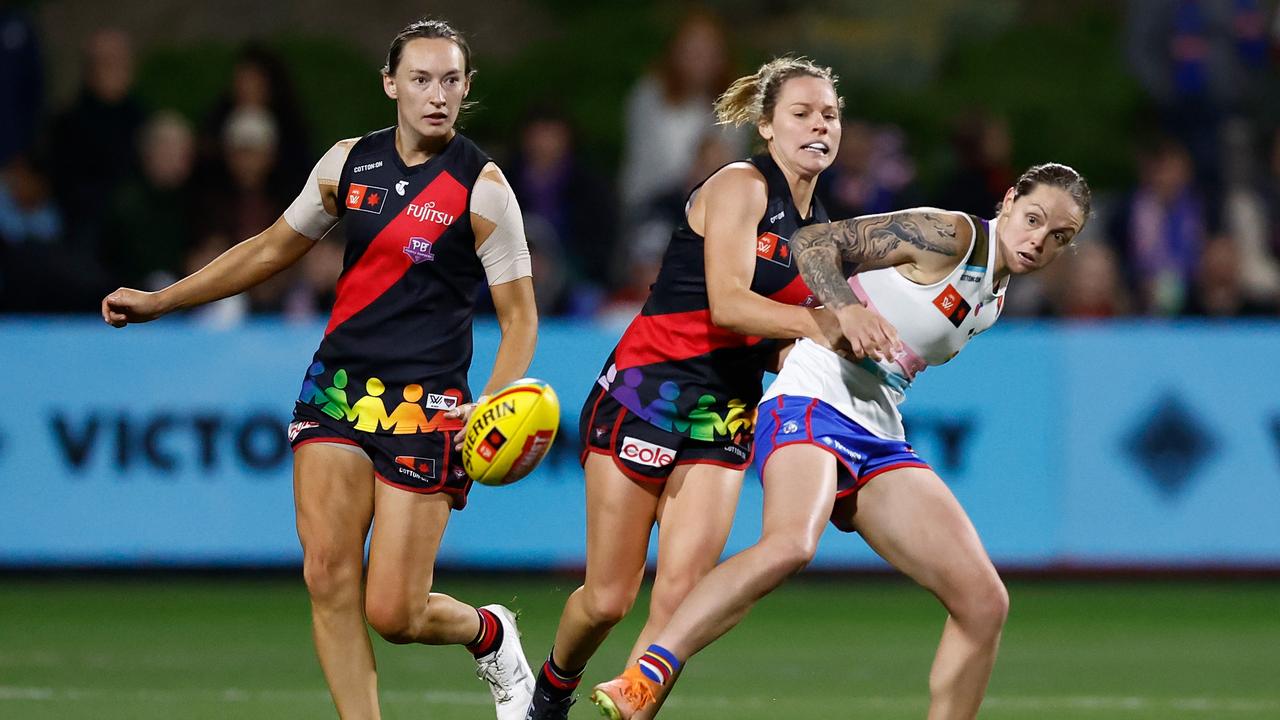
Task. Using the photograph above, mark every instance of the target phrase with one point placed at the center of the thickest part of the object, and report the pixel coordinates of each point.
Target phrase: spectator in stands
(642, 256)
(150, 227)
(1090, 285)
(242, 199)
(1160, 230)
(1219, 289)
(1201, 62)
(27, 212)
(34, 257)
(96, 138)
(260, 81)
(569, 213)
(872, 172)
(21, 82)
(983, 156)
(1251, 212)
(668, 112)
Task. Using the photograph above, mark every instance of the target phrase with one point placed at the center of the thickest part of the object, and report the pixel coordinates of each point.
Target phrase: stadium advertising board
(1089, 446)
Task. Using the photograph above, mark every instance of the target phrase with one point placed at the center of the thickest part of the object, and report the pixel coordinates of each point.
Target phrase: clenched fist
(127, 305)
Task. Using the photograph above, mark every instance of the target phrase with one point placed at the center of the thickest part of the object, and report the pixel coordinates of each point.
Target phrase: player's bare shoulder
(739, 188)
(328, 172)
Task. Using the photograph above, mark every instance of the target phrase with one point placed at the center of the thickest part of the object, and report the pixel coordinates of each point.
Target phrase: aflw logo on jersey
(774, 248)
(366, 198)
(427, 213)
(952, 304)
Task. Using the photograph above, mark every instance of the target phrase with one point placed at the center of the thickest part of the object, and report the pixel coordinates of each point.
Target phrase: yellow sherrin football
(511, 432)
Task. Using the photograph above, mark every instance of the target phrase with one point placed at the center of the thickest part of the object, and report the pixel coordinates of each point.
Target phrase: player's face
(804, 132)
(429, 86)
(1037, 227)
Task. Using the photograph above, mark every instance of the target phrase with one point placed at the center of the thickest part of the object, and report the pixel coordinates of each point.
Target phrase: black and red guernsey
(397, 348)
(676, 369)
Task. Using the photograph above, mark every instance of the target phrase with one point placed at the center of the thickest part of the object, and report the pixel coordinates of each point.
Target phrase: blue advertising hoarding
(1069, 445)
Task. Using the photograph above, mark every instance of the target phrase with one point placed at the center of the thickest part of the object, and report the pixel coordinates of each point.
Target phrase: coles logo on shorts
(297, 427)
(646, 453)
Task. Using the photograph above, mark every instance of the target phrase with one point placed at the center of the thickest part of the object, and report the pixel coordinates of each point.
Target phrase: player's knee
(330, 576)
(983, 606)
(391, 618)
(786, 554)
(668, 592)
(605, 607)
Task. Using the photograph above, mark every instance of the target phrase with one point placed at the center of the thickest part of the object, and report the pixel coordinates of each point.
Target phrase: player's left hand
(464, 411)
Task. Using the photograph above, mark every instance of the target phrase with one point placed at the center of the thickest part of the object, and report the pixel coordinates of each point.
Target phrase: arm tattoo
(867, 241)
(818, 259)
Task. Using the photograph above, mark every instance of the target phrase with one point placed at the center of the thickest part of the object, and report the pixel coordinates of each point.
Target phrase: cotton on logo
(645, 453)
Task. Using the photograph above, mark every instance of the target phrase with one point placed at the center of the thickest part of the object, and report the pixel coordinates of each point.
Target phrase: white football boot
(506, 670)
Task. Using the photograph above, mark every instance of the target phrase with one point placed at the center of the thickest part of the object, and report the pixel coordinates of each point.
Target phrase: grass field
(822, 648)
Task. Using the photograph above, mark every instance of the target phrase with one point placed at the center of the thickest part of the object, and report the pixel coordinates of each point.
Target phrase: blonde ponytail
(751, 99)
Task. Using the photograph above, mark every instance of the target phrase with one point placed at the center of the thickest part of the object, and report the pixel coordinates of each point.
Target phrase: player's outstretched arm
(924, 237)
(313, 213)
(234, 271)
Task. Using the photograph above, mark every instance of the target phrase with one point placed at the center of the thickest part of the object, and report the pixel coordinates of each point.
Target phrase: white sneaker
(506, 670)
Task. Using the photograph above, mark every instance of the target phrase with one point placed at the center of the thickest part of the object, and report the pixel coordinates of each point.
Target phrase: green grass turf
(823, 648)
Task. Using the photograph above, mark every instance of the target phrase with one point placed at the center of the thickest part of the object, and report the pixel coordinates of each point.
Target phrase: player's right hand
(869, 334)
(127, 305)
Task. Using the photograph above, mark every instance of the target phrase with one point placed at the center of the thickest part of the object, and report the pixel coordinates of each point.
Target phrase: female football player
(829, 424)
(667, 428)
(376, 425)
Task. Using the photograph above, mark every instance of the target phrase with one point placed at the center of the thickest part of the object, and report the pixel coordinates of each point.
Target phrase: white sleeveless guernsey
(933, 321)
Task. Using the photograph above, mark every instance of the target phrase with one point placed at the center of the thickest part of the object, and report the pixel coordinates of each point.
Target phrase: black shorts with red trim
(790, 420)
(425, 463)
(643, 451)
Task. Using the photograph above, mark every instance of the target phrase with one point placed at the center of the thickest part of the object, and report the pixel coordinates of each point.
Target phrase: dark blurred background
(138, 140)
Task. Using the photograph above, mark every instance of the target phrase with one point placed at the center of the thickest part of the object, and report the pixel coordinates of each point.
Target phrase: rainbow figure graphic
(707, 425)
(369, 412)
(409, 417)
(663, 412)
(335, 397)
(311, 390)
(738, 420)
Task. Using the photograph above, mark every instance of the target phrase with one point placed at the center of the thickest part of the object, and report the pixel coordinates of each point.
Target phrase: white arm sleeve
(307, 214)
(504, 254)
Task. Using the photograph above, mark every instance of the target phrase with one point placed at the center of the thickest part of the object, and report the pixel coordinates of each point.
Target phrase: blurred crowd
(107, 191)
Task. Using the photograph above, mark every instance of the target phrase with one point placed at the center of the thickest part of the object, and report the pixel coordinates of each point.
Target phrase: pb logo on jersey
(366, 198)
(774, 248)
(419, 250)
(952, 304)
